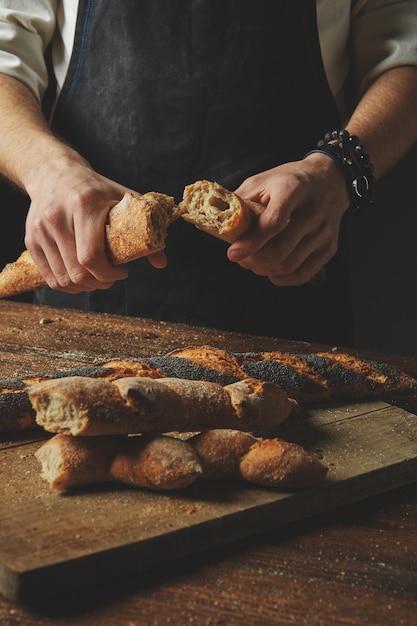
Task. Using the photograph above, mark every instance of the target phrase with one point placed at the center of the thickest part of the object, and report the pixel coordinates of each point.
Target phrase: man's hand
(298, 232)
(65, 226)
(69, 200)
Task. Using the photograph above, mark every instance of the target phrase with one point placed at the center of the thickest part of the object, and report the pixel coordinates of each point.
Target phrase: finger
(89, 252)
(64, 273)
(285, 252)
(158, 260)
(269, 224)
(310, 272)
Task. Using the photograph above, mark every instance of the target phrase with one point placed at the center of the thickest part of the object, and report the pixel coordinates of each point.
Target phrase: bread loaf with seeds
(310, 378)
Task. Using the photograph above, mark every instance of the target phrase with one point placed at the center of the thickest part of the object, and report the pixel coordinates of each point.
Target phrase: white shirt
(376, 34)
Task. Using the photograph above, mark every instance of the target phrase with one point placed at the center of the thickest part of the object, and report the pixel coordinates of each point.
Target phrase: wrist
(54, 157)
(353, 162)
(333, 183)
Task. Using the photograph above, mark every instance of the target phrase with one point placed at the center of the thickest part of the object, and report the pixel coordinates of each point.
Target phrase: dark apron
(162, 93)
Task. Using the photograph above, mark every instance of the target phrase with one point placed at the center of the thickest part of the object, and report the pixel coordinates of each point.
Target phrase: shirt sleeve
(26, 29)
(383, 36)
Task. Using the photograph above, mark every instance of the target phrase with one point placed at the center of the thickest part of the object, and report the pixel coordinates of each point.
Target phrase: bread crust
(20, 276)
(220, 452)
(138, 226)
(159, 463)
(279, 463)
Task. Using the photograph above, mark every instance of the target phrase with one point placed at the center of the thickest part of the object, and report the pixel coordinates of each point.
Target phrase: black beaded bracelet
(351, 158)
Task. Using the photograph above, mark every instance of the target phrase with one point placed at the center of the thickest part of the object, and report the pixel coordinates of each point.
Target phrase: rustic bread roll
(83, 406)
(136, 227)
(279, 463)
(218, 211)
(20, 276)
(160, 463)
(223, 214)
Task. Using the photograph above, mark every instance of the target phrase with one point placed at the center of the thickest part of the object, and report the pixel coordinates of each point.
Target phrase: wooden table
(356, 565)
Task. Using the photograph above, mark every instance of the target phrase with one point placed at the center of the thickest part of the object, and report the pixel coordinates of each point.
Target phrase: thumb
(158, 260)
(269, 223)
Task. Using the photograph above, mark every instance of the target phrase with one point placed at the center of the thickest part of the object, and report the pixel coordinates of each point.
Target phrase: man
(156, 95)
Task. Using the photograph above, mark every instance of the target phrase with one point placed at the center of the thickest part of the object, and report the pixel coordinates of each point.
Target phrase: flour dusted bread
(159, 463)
(68, 462)
(220, 452)
(20, 276)
(266, 462)
(80, 405)
(279, 463)
(218, 211)
(167, 462)
(136, 227)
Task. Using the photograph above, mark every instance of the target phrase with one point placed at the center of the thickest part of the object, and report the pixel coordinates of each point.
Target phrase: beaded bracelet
(351, 158)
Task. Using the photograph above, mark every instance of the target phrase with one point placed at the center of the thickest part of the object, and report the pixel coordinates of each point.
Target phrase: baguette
(218, 211)
(136, 227)
(159, 463)
(166, 462)
(85, 406)
(309, 379)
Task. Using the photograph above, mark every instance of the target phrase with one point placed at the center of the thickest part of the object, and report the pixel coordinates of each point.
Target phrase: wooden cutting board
(52, 542)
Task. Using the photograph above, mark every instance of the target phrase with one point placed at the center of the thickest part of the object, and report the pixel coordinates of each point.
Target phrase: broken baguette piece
(218, 211)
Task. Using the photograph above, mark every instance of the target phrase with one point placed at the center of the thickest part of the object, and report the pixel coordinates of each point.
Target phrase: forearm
(26, 143)
(385, 120)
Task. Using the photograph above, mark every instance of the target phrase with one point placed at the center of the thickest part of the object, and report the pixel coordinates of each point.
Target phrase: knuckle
(85, 257)
(84, 196)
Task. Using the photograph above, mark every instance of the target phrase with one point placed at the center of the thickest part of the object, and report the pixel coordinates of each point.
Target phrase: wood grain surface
(354, 565)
